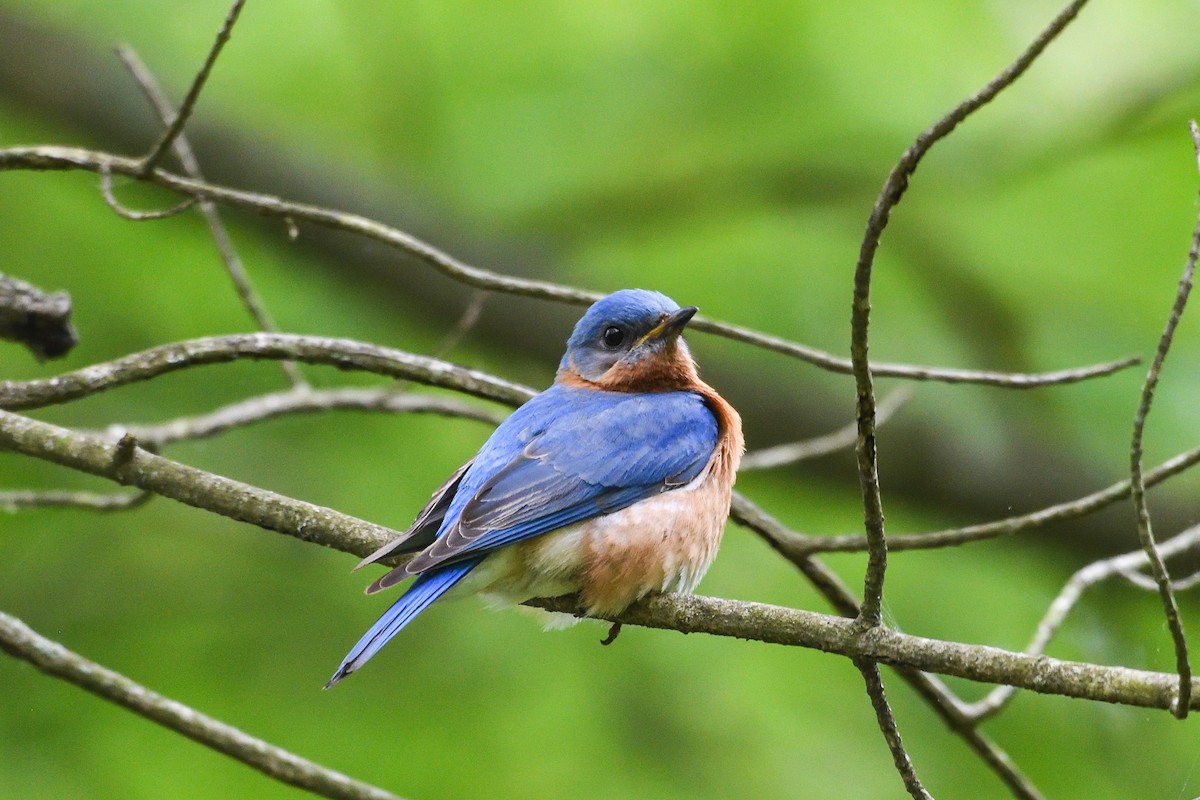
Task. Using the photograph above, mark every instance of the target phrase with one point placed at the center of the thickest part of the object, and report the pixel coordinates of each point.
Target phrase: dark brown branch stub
(39, 320)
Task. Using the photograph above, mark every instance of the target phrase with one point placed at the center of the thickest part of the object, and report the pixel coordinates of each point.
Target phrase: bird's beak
(670, 327)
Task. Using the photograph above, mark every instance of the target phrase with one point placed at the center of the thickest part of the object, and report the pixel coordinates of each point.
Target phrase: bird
(613, 483)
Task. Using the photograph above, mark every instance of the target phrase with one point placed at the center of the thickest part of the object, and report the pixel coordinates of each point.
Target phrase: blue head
(630, 341)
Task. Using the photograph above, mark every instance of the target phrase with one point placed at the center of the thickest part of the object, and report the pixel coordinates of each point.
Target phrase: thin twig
(889, 196)
(1070, 594)
(792, 452)
(125, 212)
(1145, 531)
(951, 537)
(147, 165)
(341, 353)
(65, 158)
(1148, 583)
(191, 165)
(466, 322)
(15, 500)
(20, 641)
(302, 401)
(887, 724)
(945, 703)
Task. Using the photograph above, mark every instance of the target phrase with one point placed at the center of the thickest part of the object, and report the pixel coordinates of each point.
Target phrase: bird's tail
(427, 588)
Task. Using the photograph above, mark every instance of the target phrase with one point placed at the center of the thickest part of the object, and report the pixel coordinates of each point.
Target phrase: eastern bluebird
(613, 483)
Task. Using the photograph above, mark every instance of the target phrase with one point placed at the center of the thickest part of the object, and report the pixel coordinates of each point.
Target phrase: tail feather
(427, 588)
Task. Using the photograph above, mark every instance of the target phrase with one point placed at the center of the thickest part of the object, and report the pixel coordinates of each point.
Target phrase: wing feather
(594, 453)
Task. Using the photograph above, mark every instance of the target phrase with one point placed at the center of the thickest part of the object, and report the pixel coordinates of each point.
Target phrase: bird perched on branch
(614, 483)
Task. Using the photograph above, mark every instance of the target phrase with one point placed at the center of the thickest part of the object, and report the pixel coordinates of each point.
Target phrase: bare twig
(191, 165)
(20, 641)
(790, 453)
(1148, 583)
(887, 724)
(1145, 531)
(1079, 583)
(469, 318)
(340, 353)
(39, 320)
(944, 702)
(889, 196)
(125, 212)
(173, 130)
(856, 542)
(66, 158)
(55, 498)
(301, 401)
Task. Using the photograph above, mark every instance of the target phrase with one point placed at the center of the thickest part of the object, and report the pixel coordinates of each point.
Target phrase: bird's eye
(613, 336)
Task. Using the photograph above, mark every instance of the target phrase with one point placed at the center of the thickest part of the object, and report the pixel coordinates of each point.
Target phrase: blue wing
(563, 457)
(574, 454)
(420, 595)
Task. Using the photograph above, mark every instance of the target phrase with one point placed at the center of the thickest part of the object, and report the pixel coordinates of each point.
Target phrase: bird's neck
(673, 371)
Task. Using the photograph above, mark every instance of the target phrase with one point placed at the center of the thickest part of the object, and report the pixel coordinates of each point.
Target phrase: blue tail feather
(428, 587)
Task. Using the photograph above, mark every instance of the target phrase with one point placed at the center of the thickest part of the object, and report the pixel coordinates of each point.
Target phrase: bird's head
(630, 342)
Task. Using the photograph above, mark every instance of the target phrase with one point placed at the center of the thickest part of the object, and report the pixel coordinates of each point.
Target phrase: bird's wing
(596, 457)
(425, 527)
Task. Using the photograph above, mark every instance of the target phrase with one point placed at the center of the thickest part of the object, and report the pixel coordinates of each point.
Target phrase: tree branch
(800, 544)
(746, 620)
(1079, 583)
(302, 400)
(792, 452)
(1145, 531)
(70, 158)
(191, 165)
(189, 101)
(945, 703)
(20, 641)
(133, 466)
(341, 353)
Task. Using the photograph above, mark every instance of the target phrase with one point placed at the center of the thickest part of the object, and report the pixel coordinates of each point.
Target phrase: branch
(125, 212)
(1145, 531)
(58, 498)
(189, 101)
(340, 353)
(70, 158)
(889, 196)
(302, 400)
(800, 544)
(945, 703)
(191, 165)
(20, 641)
(790, 453)
(891, 734)
(787, 626)
(39, 320)
(1080, 582)
(133, 466)
(687, 614)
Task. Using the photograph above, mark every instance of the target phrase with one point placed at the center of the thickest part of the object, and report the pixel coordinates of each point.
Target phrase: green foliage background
(725, 154)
